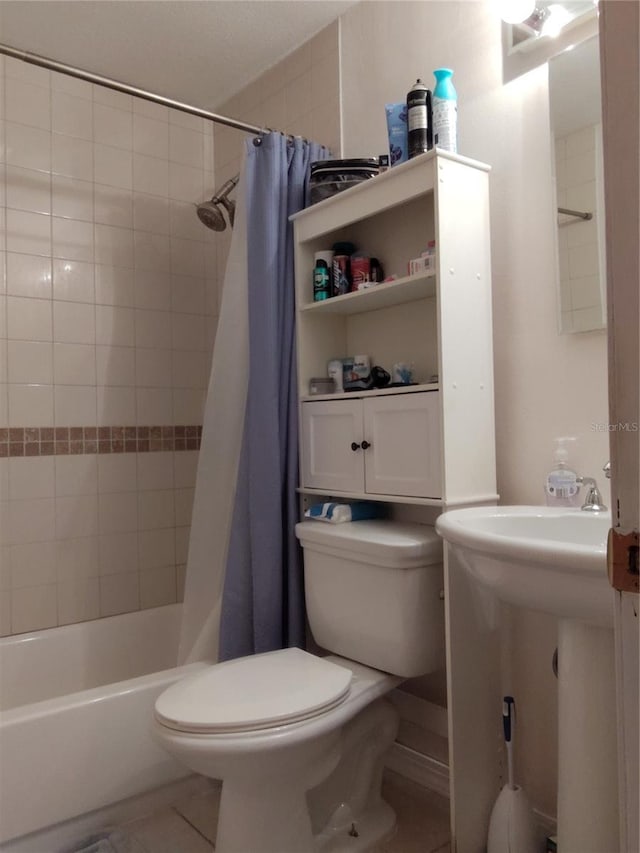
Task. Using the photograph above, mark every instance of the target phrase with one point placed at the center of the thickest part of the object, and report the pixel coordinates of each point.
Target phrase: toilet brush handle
(508, 719)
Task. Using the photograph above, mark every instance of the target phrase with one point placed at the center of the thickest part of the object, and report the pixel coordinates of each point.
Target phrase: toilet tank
(372, 591)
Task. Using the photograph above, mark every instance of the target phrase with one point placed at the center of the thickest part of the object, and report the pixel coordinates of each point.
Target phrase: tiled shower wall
(108, 308)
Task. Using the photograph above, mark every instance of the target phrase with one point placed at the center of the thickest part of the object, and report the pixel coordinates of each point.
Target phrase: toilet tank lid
(388, 543)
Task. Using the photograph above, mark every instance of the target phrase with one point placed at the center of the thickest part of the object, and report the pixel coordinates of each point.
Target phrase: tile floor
(190, 825)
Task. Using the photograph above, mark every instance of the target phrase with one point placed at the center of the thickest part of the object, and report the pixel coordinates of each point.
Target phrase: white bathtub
(76, 711)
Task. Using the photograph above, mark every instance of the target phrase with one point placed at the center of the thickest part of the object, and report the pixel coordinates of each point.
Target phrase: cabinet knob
(355, 446)
(365, 445)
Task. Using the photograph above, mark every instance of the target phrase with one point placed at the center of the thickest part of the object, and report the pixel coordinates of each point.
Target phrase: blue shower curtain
(263, 599)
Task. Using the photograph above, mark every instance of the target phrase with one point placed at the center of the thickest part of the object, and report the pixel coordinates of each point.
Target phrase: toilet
(299, 739)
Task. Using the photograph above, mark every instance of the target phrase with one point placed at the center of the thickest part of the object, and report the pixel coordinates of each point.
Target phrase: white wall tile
(114, 285)
(28, 319)
(76, 559)
(183, 506)
(76, 475)
(152, 252)
(118, 553)
(118, 513)
(72, 239)
(116, 405)
(155, 471)
(185, 222)
(151, 213)
(29, 362)
(75, 405)
(188, 331)
(72, 157)
(112, 166)
(154, 406)
(115, 326)
(117, 473)
(182, 544)
(113, 246)
(150, 137)
(185, 465)
(185, 183)
(156, 548)
(74, 364)
(28, 147)
(186, 120)
(32, 564)
(30, 405)
(27, 189)
(72, 198)
(150, 175)
(186, 146)
(188, 294)
(187, 257)
(28, 232)
(78, 601)
(115, 366)
(119, 594)
(150, 110)
(113, 126)
(188, 405)
(158, 586)
(113, 206)
(74, 322)
(152, 289)
(28, 275)
(73, 280)
(30, 521)
(153, 328)
(71, 115)
(64, 83)
(33, 608)
(156, 509)
(153, 368)
(110, 98)
(31, 478)
(76, 516)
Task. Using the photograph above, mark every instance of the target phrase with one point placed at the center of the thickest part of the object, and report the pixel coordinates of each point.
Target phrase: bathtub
(76, 706)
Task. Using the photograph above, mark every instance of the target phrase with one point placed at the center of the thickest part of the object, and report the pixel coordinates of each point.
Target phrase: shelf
(374, 392)
(384, 295)
(365, 496)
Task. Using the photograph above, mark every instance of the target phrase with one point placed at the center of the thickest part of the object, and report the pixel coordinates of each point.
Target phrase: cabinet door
(403, 432)
(329, 429)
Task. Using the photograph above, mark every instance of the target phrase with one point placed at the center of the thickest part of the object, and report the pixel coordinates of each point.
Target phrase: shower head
(209, 212)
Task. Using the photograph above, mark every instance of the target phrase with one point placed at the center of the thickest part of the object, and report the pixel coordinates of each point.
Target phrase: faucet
(593, 499)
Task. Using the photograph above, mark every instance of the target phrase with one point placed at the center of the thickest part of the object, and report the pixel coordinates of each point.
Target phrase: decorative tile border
(68, 441)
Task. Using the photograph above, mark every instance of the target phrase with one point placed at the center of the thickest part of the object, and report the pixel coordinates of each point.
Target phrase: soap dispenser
(562, 484)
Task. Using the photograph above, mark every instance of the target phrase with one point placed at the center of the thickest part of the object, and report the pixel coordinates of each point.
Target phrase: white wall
(547, 385)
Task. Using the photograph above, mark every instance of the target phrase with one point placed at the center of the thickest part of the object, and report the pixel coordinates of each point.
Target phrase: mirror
(576, 128)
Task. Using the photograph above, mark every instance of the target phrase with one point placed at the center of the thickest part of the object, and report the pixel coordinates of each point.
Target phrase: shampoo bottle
(445, 111)
(562, 484)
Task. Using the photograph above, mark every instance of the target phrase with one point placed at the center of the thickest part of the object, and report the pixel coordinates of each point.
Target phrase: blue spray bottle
(445, 111)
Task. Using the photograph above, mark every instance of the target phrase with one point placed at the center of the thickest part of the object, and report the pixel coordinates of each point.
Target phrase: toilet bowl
(299, 740)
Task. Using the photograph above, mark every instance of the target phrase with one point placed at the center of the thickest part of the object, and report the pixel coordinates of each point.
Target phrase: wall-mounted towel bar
(580, 214)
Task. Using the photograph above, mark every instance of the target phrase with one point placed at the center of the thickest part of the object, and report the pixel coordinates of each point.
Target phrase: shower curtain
(244, 591)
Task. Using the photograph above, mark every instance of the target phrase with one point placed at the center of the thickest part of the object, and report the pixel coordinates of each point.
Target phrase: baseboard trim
(419, 768)
(434, 775)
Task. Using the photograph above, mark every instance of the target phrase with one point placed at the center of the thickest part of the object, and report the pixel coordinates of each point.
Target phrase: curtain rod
(80, 74)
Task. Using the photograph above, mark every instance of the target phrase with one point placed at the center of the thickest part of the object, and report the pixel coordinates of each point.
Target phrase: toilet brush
(512, 828)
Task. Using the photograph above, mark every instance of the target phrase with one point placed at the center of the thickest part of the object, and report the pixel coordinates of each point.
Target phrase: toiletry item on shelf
(357, 376)
(336, 513)
(322, 385)
(402, 373)
(445, 111)
(325, 255)
(321, 281)
(377, 272)
(397, 130)
(335, 370)
(342, 267)
(379, 377)
(425, 263)
(360, 272)
(419, 119)
(562, 484)
(329, 177)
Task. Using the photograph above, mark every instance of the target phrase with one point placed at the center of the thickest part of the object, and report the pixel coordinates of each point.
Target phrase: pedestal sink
(554, 560)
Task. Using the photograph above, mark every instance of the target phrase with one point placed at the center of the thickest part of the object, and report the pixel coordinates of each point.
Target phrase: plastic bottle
(445, 111)
(562, 484)
(419, 129)
(321, 281)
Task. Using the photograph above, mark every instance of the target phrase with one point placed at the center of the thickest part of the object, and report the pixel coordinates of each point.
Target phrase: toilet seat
(254, 693)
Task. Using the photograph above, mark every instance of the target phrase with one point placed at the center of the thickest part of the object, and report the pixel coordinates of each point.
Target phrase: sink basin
(544, 558)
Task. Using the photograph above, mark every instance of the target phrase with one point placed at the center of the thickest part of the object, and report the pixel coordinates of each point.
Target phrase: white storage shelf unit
(440, 322)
